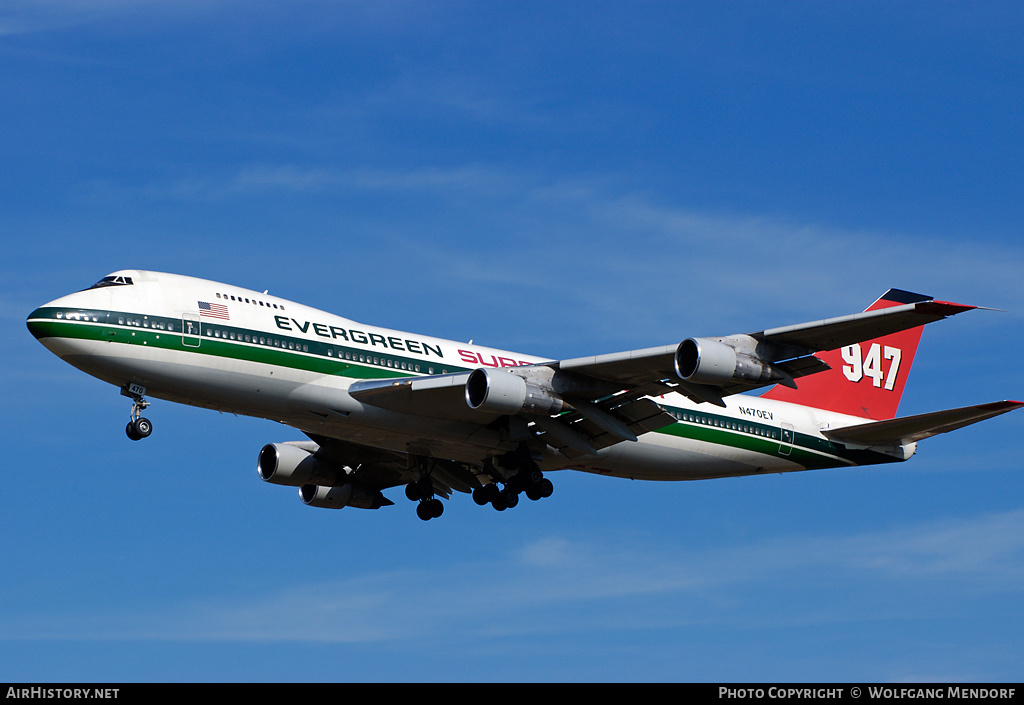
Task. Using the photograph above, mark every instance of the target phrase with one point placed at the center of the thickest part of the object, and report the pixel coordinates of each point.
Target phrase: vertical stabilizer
(866, 379)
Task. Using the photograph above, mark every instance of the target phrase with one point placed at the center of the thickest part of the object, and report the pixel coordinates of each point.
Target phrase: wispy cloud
(565, 581)
(608, 253)
(35, 16)
(738, 252)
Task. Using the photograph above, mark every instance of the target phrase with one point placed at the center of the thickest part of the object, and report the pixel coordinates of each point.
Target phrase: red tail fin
(866, 379)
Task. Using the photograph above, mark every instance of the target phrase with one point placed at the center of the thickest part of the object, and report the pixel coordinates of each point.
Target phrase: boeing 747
(382, 408)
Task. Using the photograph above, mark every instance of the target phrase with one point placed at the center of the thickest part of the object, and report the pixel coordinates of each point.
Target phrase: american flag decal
(213, 310)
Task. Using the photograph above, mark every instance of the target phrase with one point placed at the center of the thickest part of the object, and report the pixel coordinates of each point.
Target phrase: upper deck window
(112, 281)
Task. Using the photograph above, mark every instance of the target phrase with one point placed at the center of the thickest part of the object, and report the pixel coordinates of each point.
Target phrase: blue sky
(562, 179)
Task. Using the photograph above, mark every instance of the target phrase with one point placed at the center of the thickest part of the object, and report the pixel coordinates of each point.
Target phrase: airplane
(383, 408)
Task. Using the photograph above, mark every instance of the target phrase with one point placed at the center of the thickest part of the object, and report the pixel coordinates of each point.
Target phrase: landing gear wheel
(545, 487)
(510, 497)
(412, 492)
(532, 476)
(429, 509)
(436, 507)
(139, 428)
(142, 427)
(499, 502)
(486, 494)
(532, 483)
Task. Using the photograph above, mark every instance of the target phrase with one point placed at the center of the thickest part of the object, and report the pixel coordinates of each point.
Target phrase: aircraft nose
(45, 321)
(39, 323)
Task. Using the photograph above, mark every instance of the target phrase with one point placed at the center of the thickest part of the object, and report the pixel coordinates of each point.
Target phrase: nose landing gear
(139, 427)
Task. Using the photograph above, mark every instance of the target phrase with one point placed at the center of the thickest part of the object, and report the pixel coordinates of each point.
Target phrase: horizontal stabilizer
(910, 429)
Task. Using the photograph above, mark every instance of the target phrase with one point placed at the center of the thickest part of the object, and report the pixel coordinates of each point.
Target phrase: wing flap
(453, 477)
(587, 429)
(910, 429)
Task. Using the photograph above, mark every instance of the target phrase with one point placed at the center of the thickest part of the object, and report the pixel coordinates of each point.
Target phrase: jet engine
(321, 483)
(502, 392)
(326, 497)
(719, 362)
(286, 464)
(347, 495)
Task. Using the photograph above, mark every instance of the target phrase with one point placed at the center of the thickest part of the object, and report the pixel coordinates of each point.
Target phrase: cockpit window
(112, 281)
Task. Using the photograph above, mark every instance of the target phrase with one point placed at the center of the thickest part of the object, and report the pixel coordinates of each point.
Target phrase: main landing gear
(527, 479)
(530, 482)
(422, 491)
(139, 427)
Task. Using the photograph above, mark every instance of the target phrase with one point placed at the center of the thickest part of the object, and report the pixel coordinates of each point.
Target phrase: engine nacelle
(347, 495)
(715, 363)
(326, 497)
(284, 464)
(321, 483)
(502, 392)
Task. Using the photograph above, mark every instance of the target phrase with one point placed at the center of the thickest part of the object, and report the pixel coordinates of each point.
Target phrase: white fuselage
(221, 347)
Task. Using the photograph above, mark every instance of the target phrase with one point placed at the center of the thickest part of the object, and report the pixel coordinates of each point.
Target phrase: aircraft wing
(630, 368)
(838, 332)
(910, 429)
(593, 421)
(378, 469)
(656, 366)
(589, 403)
(787, 350)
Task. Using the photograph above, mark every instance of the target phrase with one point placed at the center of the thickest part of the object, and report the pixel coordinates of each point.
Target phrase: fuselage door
(191, 330)
(786, 438)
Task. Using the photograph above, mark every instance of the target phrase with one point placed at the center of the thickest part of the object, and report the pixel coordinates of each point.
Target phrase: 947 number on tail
(860, 365)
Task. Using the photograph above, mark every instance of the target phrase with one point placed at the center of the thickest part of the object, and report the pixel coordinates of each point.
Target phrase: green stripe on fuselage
(805, 450)
(217, 341)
